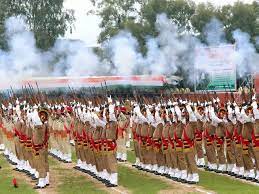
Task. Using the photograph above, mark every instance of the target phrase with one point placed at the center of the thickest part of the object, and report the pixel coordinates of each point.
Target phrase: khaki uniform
(220, 141)
(40, 148)
(188, 147)
(210, 144)
(246, 145)
(123, 125)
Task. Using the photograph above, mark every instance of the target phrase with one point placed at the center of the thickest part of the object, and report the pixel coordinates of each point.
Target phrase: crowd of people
(172, 136)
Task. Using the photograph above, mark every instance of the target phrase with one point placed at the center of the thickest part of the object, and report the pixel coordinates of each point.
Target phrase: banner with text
(215, 68)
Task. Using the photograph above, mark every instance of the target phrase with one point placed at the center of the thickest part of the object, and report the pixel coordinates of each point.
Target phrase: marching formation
(24, 138)
(172, 136)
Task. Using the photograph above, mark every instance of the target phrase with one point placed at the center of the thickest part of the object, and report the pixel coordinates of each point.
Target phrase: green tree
(47, 18)
(115, 14)
(203, 14)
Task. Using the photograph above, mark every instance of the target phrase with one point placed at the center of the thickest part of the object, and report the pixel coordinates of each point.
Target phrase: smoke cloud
(214, 32)
(22, 59)
(171, 51)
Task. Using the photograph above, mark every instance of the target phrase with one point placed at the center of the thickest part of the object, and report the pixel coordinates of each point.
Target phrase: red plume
(15, 184)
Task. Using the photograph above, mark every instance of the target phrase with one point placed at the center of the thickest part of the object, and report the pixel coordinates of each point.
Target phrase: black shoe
(111, 185)
(249, 178)
(16, 169)
(94, 176)
(83, 170)
(242, 177)
(254, 180)
(37, 187)
(28, 173)
(76, 167)
(183, 181)
(217, 171)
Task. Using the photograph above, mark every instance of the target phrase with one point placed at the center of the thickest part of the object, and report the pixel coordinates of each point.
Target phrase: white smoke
(214, 32)
(245, 56)
(257, 41)
(123, 49)
(166, 53)
(23, 59)
(164, 50)
(74, 59)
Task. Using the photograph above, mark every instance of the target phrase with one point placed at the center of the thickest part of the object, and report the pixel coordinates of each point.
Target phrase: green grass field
(69, 181)
(77, 184)
(217, 183)
(6, 177)
(225, 185)
(139, 184)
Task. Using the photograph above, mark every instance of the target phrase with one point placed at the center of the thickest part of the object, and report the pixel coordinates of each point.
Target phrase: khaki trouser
(181, 162)
(247, 136)
(18, 149)
(239, 155)
(199, 150)
(190, 161)
(231, 153)
(256, 148)
(221, 154)
(121, 145)
(111, 161)
(41, 162)
(173, 157)
(211, 153)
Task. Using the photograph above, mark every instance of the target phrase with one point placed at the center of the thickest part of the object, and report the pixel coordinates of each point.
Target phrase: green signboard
(215, 68)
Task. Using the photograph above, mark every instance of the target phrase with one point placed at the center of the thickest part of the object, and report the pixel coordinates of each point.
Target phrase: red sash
(228, 135)
(209, 137)
(187, 139)
(111, 145)
(219, 140)
(17, 133)
(66, 129)
(198, 135)
(165, 143)
(178, 141)
(255, 139)
(237, 137)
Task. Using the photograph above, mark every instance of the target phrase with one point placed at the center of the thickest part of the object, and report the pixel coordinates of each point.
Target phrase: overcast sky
(86, 26)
